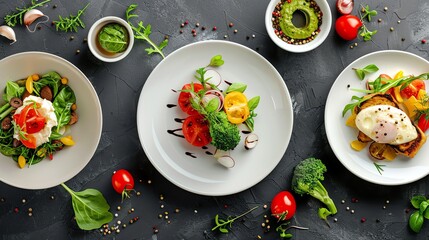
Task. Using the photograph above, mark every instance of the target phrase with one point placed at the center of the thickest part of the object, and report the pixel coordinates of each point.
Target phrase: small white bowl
(92, 39)
(324, 28)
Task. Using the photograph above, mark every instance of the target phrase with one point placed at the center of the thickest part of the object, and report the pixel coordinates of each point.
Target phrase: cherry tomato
(347, 26)
(423, 123)
(283, 206)
(122, 181)
(196, 130)
(236, 108)
(184, 102)
(345, 6)
(413, 89)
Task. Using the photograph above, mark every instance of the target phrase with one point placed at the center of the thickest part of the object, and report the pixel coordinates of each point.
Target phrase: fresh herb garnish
(252, 103)
(70, 23)
(364, 31)
(417, 218)
(216, 61)
(282, 228)
(143, 32)
(379, 167)
(90, 207)
(113, 38)
(222, 225)
(351, 106)
(371, 68)
(15, 17)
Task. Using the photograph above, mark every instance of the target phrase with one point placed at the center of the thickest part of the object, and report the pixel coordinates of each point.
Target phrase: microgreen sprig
(70, 23)
(364, 31)
(143, 32)
(15, 17)
(361, 72)
(222, 225)
(282, 228)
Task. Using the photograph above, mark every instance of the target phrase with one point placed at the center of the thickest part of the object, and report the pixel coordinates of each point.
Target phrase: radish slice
(345, 6)
(214, 94)
(251, 141)
(226, 161)
(213, 77)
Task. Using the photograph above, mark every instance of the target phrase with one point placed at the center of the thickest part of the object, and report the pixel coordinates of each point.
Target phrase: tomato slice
(29, 121)
(413, 88)
(196, 130)
(29, 141)
(35, 124)
(236, 108)
(184, 102)
(423, 122)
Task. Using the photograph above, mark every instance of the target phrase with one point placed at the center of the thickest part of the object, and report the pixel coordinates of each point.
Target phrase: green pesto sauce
(113, 38)
(289, 29)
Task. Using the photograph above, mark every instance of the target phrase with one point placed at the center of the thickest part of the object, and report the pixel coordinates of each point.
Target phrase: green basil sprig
(371, 68)
(417, 218)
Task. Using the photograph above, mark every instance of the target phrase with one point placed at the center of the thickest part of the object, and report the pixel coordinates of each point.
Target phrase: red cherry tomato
(423, 123)
(347, 26)
(196, 130)
(122, 181)
(413, 89)
(345, 6)
(184, 102)
(283, 206)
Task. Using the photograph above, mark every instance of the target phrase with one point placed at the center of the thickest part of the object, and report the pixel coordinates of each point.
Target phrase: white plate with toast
(401, 170)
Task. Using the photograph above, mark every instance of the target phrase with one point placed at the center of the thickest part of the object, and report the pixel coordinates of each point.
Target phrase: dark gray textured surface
(308, 76)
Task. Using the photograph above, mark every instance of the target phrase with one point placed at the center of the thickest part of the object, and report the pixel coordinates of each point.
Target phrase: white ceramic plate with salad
(86, 132)
(401, 170)
(194, 168)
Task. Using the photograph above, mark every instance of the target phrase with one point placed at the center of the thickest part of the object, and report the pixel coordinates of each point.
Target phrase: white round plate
(202, 174)
(86, 132)
(402, 170)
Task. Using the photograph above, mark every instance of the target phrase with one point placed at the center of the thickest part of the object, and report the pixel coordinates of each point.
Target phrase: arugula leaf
(12, 19)
(143, 32)
(90, 207)
(351, 106)
(71, 22)
(371, 68)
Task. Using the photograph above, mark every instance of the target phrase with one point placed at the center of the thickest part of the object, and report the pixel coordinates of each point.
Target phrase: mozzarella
(386, 124)
(47, 111)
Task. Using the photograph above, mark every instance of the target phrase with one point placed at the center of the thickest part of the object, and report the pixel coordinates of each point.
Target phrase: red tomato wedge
(29, 121)
(196, 130)
(423, 123)
(413, 89)
(184, 102)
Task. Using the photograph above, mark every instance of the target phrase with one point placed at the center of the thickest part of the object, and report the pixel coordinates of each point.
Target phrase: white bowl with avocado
(286, 32)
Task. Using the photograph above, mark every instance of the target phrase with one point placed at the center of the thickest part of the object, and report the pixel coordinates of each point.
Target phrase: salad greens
(70, 23)
(63, 99)
(222, 225)
(143, 32)
(90, 207)
(113, 38)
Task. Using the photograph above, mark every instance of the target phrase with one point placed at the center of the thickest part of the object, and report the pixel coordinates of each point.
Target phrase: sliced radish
(345, 6)
(251, 141)
(219, 153)
(226, 161)
(213, 77)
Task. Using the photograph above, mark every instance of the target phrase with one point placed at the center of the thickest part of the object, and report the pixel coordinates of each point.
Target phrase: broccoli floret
(307, 178)
(225, 135)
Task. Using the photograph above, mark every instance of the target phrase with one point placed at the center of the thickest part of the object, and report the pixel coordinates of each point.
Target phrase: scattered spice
(118, 208)
(343, 201)
(149, 181)
(231, 24)
(377, 220)
(387, 201)
(77, 52)
(203, 28)
(335, 220)
(385, 8)
(52, 197)
(197, 24)
(347, 208)
(355, 200)
(162, 206)
(16, 210)
(235, 31)
(399, 21)
(423, 41)
(2, 200)
(24, 200)
(392, 29)
(186, 22)
(71, 38)
(55, 6)
(265, 206)
(225, 36)
(402, 39)
(379, 20)
(85, 40)
(362, 220)
(352, 211)
(182, 25)
(176, 210)
(214, 28)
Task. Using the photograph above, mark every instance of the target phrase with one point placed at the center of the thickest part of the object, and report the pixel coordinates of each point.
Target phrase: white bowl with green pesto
(284, 32)
(110, 39)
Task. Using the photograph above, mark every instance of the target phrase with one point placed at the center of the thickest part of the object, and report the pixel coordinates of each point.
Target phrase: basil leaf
(236, 87)
(417, 200)
(416, 222)
(216, 61)
(253, 102)
(426, 213)
(371, 68)
(360, 73)
(13, 90)
(90, 207)
(423, 206)
(212, 105)
(250, 122)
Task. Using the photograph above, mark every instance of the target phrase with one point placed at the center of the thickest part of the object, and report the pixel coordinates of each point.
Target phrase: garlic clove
(8, 33)
(31, 16)
(226, 161)
(251, 141)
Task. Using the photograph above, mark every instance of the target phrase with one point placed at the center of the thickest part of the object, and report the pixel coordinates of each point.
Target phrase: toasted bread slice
(411, 148)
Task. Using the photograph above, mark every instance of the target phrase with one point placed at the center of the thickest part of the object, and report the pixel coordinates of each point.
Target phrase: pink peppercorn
(363, 220)
(423, 41)
(214, 28)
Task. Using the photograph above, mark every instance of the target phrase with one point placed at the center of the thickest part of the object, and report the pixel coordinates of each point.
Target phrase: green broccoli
(225, 135)
(306, 180)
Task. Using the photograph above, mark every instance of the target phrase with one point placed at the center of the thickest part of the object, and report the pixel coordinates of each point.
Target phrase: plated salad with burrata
(35, 118)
